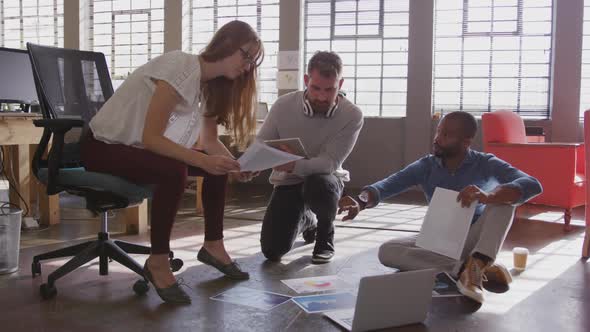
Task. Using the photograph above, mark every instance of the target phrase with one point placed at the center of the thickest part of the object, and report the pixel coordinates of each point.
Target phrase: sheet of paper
(446, 224)
(252, 298)
(287, 80)
(325, 302)
(317, 284)
(288, 60)
(260, 156)
(342, 317)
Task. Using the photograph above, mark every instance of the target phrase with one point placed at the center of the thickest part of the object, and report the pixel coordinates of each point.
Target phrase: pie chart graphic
(318, 284)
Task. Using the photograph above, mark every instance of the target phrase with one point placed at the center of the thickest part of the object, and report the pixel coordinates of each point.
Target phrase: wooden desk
(21, 137)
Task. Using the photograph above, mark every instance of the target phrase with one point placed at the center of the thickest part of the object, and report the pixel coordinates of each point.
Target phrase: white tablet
(293, 143)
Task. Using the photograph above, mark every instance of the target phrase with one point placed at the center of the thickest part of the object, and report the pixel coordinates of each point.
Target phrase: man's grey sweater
(328, 141)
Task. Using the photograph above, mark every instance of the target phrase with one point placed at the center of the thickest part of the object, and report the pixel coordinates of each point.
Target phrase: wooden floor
(551, 295)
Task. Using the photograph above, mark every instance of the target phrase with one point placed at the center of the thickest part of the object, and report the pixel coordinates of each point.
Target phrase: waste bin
(10, 221)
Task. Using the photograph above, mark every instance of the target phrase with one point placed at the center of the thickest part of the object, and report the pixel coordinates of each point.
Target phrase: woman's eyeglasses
(247, 57)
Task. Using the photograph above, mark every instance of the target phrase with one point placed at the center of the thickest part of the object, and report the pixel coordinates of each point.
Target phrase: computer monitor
(17, 85)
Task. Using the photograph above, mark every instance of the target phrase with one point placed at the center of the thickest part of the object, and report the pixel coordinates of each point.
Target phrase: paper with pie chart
(317, 284)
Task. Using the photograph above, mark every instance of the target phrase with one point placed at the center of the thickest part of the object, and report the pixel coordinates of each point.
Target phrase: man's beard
(445, 152)
(319, 107)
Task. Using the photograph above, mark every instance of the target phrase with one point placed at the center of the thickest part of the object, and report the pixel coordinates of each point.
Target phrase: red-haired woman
(146, 133)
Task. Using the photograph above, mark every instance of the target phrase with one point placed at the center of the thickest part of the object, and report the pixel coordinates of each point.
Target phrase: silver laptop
(388, 300)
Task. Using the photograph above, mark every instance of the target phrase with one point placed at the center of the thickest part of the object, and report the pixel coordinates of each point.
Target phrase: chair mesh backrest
(71, 84)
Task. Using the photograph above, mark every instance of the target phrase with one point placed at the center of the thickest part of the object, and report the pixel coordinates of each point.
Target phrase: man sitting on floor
(497, 186)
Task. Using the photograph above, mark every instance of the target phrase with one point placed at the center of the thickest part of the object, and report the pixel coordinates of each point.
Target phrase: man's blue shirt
(481, 169)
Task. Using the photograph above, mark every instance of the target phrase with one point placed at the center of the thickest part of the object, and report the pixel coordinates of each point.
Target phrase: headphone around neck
(308, 110)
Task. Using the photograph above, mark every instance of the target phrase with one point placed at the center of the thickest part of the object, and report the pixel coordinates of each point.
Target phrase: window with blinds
(371, 37)
(35, 21)
(585, 83)
(202, 18)
(492, 54)
(128, 32)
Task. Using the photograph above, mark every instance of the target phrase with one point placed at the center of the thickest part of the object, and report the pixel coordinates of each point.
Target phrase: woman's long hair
(234, 102)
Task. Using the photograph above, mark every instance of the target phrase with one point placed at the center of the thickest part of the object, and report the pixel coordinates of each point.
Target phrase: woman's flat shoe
(172, 294)
(231, 270)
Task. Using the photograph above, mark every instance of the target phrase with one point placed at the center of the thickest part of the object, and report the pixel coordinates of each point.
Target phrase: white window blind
(35, 21)
(202, 18)
(585, 83)
(128, 32)
(492, 54)
(371, 37)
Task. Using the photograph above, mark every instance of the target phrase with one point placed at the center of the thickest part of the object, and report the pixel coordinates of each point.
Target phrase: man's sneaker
(309, 234)
(498, 275)
(322, 256)
(471, 279)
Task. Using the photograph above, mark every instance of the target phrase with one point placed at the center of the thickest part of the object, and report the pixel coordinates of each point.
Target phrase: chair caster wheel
(47, 292)
(176, 264)
(140, 287)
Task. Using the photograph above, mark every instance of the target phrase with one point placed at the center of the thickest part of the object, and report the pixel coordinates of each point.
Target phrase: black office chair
(72, 86)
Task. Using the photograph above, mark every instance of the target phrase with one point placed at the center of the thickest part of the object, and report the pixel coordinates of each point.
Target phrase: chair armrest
(59, 125)
(536, 145)
(549, 163)
(57, 128)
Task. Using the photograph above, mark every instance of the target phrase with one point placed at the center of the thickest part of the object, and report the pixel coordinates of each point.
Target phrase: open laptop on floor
(388, 300)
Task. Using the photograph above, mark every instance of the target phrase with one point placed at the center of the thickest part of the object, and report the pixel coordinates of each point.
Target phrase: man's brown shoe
(470, 280)
(498, 273)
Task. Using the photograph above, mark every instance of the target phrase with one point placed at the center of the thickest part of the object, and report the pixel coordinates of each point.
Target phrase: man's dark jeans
(291, 211)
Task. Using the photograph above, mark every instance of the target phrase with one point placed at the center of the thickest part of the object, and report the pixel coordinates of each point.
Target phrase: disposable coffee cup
(520, 257)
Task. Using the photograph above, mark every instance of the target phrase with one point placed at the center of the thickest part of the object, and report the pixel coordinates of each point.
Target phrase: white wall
(378, 152)
(567, 61)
